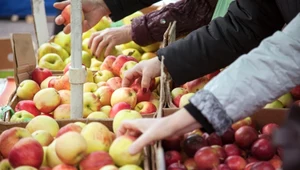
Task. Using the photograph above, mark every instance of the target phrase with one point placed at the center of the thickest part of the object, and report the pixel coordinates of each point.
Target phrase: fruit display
(242, 147)
(42, 145)
(103, 98)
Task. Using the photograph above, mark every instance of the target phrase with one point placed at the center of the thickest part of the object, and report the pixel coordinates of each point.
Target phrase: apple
(118, 107)
(192, 143)
(5, 165)
(95, 161)
(104, 94)
(27, 89)
(172, 143)
(88, 33)
(90, 87)
(137, 85)
(148, 55)
(172, 157)
(106, 109)
(45, 83)
(67, 67)
(70, 127)
(63, 111)
(214, 139)
(43, 123)
(184, 100)
(196, 131)
(40, 74)
(98, 137)
(86, 58)
(236, 162)
(176, 100)
(122, 115)
(190, 164)
(64, 40)
(95, 64)
(276, 162)
(222, 167)
(263, 149)
(124, 94)
(176, 166)
(46, 100)
(27, 105)
(295, 92)
(65, 96)
(26, 151)
(102, 76)
(206, 158)
(244, 122)
(45, 168)
(109, 167)
(102, 24)
(220, 152)
(97, 115)
(155, 102)
(64, 167)
(133, 53)
(274, 104)
(119, 62)
(228, 136)
(231, 150)
(119, 151)
(50, 47)
(81, 124)
(131, 44)
(52, 61)
(245, 136)
(195, 85)
(91, 103)
(130, 167)
(114, 82)
(43, 137)
(21, 116)
(25, 168)
(66, 14)
(100, 84)
(262, 166)
(10, 137)
(107, 63)
(51, 156)
(212, 75)
(178, 91)
(128, 65)
(61, 82)
(145, 108)
(286, 99)
(152, 47)
(268, 129)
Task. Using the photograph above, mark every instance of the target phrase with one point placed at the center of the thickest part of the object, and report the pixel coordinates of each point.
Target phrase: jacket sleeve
(252, 81)
(189, 14)
(218, 44)
(122, 8)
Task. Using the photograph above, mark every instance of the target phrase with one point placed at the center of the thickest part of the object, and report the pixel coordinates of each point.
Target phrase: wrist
(128, 33)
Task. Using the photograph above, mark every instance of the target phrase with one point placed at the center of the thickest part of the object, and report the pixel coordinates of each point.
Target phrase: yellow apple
(128, 65)
(71, 147)
(21, 116)
(86, 59)
(64, 40)
(85, 46)
(89, 75)
(45, 155)
(97, 115)
(119, 151)
(25, 168)
(88, 33)
(122, 115)
(102, 76)
(124, 94)
(50, 47)
(106, 109)
(67, 61)
(65, 96)
(43, 137)
(63, 111)
(133, 53)
(43, 123)
(52, 61)
(127, 20)
(51, 156)
(46, 100)
(148, 55)
(152, 47)
(102, 24)
(27, 89)
(98, 137)
(184, 100)
(81, 124)
(90, 87)
(131, 44)
(91, 103)
(155, 102)
(109, 167)
(104, 94)
(130, 167)
(95, 64)
(45, 83)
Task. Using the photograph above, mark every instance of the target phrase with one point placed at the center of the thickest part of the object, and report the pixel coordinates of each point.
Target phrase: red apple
(269, 128)
(172, 143)
(195, 85)
(236, 162)
(119, 62)
(295, 92)
(214, 139)
(107, 63)
(192, 143)
(67, 67)
(114, 82)
(264, 136)
(245, 136)
(137, 86)
(70, 127)
(231, 150)
(280, 152)
(176, 166)
(40, 74)
(176, 100)
(64, 167)
(263, 149)
(262, 166)
(124, 94)
(244, 122)
(143, 96)
(212, 75)
(228, 136)
(251, 159)
(222, 167)
(172, 157)
(27, 151)
(220, 151)
(249, 166)
(96, 160)
(190, 164)
(45, 168)
(66, 14)
(145, 107)
(118, 107)
(27, 105)
(206, 158)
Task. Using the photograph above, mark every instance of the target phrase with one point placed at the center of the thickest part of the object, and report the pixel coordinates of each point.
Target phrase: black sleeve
(218, 44)
(122, 8)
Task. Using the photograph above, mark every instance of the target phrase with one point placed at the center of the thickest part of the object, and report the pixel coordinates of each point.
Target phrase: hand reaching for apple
(154, 129)
(148, 70)
(93, 11)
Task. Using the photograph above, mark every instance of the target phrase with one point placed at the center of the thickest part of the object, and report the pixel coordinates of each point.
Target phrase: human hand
(151, 130)
(93, 11)
(147, 69)
(108, 39)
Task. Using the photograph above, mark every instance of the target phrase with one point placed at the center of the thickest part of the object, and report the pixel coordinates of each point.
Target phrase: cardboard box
(6, 55)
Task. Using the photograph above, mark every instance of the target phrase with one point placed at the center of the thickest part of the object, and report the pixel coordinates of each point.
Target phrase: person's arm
(189, 15)
(251, 82)
(218, 44)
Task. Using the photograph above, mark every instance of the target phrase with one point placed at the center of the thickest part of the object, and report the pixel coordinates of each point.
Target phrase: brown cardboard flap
(6, 54)
(24, 56)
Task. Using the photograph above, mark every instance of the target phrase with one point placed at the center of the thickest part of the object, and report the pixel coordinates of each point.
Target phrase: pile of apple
(242, 147)
(43, 145)
(103, 95)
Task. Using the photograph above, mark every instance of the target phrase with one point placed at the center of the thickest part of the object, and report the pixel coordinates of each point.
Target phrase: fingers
(127, 125)
(130, 75)
(146, 79)
(109, 48)
(95, 42)
(67, 29)
(145, 139)
(59, 20)
(61, 5)
(92, 39)
(101, 46)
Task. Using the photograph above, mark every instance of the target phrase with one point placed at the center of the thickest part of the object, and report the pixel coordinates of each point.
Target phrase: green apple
(21, 116)
(45, 156)
(95, 64)
(86, 59)
(128, 65)
(52, 61)
(50, 47)
(102, 76)
(102, 24)
(125, 114)
(127, 20)
(85, 46)
(89, 75)
(274, 105)
(97, 115)
(148, 55)
(130, 167)
(64, 40)
(67, 60)
(132, 52)
(286, 99)
(5, 165)
(184, 100)
(106, 109)
(131, 44)
(88, 33)
(90, 87)
(152, 47)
